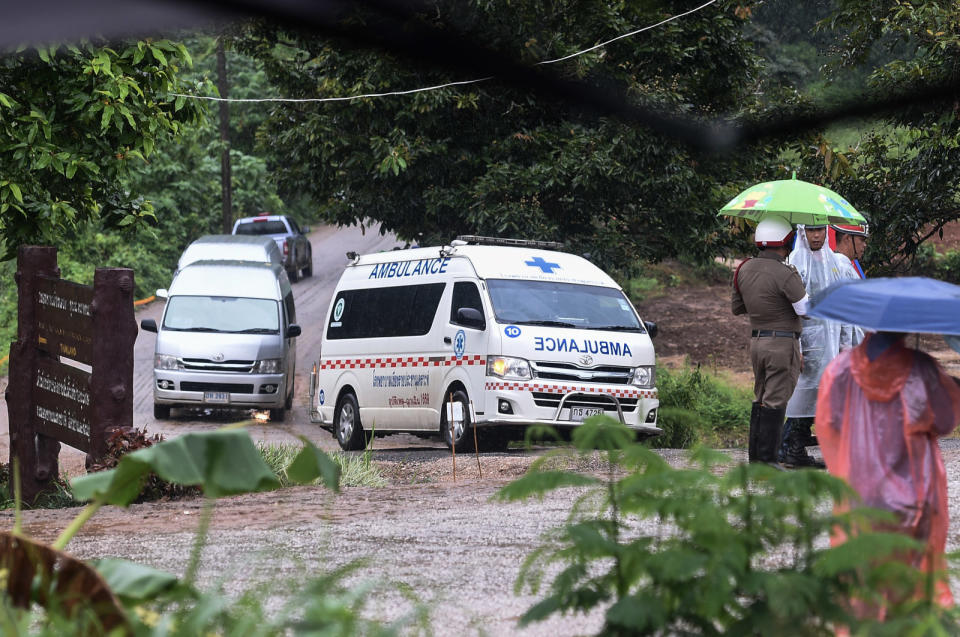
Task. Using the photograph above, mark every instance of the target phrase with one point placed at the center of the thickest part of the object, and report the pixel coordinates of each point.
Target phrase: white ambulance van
(496, 334)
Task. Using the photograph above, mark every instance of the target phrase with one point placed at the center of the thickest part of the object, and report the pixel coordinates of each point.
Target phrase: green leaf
(158, 55)
(105, 119)
(134, 583)
(5, 100)
(15, 189)
(540, 482)
(312, 463)
(223, 462)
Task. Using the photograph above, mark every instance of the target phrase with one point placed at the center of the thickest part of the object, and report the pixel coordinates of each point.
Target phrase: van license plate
(216, 397)
(582, 413)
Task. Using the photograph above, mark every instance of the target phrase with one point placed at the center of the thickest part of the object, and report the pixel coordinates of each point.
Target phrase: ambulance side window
(406, 310)
(466, 294)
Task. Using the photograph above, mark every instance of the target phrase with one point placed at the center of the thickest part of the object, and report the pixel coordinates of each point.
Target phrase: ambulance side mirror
(470, 317)
(148, 325)
(652, 328)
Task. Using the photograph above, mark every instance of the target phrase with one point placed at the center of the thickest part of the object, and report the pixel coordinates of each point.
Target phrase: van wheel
(278, 415)
(288, 403)
(308, 269)
(294, 274)
(161, 412)
(462, 439)
(346, 424)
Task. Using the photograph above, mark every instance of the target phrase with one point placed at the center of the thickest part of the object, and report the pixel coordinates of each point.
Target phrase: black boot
(752, 441)
(769, 424)
(793, 451)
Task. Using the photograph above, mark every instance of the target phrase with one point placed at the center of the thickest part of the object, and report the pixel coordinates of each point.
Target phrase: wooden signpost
(71, 367)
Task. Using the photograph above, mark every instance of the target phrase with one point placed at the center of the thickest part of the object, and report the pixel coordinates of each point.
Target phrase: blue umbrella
(909, 304)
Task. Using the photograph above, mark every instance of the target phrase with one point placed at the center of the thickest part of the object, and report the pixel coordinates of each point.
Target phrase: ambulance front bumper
(568, 405)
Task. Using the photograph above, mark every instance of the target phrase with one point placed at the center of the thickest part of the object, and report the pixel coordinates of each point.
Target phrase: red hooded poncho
(878, 423)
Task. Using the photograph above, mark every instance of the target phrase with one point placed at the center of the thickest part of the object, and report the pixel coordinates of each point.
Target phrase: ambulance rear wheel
(346, 424)
(161, 412)
(462, 439)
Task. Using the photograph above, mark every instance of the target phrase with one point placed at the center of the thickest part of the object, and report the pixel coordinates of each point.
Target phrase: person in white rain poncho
(820, 342)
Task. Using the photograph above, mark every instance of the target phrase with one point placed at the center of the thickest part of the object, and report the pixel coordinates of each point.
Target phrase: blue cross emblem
(459, 344)
(546, 266)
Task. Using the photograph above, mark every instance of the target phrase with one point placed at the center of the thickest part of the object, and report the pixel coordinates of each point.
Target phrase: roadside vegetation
(698, 407)
(690, 550)
(708, 548)
(355, 470)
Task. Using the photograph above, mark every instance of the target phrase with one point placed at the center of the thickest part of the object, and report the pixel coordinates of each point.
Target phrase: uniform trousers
(776, 369)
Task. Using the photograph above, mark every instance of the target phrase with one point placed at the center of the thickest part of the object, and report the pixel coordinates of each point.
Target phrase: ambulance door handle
(447, 340)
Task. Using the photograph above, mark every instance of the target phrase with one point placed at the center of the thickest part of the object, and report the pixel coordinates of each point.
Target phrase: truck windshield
(222, 314)
(562, 305)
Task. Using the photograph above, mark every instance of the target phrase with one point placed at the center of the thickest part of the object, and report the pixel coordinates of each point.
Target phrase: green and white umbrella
(794, 200)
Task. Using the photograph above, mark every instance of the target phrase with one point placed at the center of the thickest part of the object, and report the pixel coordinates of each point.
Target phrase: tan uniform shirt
(766, 288)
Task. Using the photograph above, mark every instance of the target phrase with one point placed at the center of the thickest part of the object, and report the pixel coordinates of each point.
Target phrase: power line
(440, 86)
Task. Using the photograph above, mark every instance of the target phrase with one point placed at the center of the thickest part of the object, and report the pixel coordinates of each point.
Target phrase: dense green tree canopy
(904, 172)
(493, 159)
(74, 120)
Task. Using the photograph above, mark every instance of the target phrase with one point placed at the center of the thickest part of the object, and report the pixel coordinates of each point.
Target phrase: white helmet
(773, 232)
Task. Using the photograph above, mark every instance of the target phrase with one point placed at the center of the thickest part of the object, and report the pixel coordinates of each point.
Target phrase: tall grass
(356, 470)
(700, 407)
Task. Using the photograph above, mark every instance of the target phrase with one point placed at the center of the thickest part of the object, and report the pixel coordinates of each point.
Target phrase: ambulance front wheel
(346, 424)
(461, 437)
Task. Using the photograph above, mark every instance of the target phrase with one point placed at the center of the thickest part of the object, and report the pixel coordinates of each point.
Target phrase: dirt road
(312, 296)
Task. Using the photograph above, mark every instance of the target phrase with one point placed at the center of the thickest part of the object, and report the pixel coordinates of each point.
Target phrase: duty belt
(775, 333)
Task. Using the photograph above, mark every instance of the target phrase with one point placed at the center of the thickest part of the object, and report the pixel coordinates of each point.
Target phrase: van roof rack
(472, 239)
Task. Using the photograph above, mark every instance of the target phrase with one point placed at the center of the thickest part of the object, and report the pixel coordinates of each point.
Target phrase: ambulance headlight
(165, 361)
(508, 368)
(643, 376)
(268, 366)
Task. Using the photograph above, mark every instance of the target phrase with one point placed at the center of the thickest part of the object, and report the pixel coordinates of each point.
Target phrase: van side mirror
(148, 325)
(304, 229)
(652, 328)
(293, 331)
(162, 293)
(470, 317)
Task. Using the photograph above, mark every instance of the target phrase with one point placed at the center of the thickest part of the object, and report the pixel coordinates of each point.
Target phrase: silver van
(230, 247)
(226, 339)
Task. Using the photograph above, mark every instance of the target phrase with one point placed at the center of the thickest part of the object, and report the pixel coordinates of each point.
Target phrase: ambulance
(477, 340)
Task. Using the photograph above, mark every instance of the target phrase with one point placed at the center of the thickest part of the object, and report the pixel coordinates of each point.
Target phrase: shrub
(723, 409)
(712, 548)
(681, 428)
(122, 441)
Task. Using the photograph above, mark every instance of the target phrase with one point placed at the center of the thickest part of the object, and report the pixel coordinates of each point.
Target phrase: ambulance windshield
(552, 304)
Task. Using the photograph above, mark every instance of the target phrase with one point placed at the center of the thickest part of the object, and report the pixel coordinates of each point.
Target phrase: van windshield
(222, 314)
(562, 305)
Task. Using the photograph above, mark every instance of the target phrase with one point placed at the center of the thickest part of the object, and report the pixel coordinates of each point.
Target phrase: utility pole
(225, 190)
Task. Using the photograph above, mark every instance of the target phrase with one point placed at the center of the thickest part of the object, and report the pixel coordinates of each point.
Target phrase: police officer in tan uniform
(773, 295)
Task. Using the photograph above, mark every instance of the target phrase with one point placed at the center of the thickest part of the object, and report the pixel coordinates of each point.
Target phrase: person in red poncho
(880, 409)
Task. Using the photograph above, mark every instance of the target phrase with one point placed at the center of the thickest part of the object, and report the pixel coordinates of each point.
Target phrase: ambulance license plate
(582, 413)
(216, 397)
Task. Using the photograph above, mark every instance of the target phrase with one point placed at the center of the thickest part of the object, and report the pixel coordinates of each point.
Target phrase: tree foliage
(73, 121)
(903, 172)
(493, 159)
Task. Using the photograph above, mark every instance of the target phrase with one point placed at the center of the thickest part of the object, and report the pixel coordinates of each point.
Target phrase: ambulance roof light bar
(514, 243)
